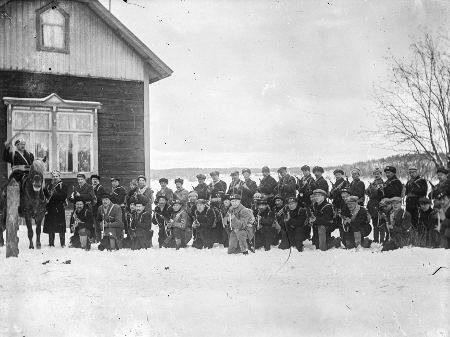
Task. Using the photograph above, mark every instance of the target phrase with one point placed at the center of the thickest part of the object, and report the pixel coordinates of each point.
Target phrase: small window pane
(52, 16)
(65, 150)
(84, 153)
(42, 143)
(84, 123)
(31, 121)
(53, 29)
(23, 120)
(74, 122)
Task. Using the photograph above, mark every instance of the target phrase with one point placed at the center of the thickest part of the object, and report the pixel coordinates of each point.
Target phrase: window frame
(39, 43)
(56, 105)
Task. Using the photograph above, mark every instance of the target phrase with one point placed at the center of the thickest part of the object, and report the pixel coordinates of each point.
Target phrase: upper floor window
(52, 29)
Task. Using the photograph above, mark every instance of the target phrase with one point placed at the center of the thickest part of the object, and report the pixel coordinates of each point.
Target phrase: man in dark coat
(294, 231)
(320, 183)
(393, 187)
(110, 216)
(164, 191)
(341, 183)
(249, 188)
(18, 159)
(357, 187)
(202, 187)
(215, 187)
(141, 227)
(99, 190)
(287, 184)
(416, 188)
(266, 234)
(306, 186)
(266, 186)
(444, 182)
(322, 221)
(356, 225)
(161, 216)
(83, 191)
(81, 225)
(55, 218)
(118, 195)
(203, 225)
(375, 194)
(235, 185)
(179, 225)
(423, 216)
(398, 224)
(224, 208)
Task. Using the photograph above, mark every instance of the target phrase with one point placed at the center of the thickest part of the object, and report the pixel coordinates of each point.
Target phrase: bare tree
(414, 104)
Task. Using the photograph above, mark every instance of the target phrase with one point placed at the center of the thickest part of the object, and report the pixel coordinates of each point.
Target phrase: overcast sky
(271, 82)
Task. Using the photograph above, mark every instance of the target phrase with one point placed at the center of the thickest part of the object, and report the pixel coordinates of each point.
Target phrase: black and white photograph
(224, 168)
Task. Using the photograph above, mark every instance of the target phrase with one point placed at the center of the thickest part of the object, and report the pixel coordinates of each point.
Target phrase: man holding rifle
(20, 160)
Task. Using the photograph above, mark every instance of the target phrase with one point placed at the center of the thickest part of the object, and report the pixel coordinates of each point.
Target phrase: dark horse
(32, 202)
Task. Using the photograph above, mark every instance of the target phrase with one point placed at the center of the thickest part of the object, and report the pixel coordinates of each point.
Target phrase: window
(63, 131)
(52, 25)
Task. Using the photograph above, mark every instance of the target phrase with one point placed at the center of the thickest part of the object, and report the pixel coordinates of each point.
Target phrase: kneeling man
(179, 223)
(141, 227)
(240, 220)
(110, 217)
(81, 225)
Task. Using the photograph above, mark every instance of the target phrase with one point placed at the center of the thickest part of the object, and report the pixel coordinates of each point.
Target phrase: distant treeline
(401, 162)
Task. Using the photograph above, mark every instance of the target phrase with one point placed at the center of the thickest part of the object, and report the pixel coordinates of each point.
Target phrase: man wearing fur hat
(164, 191)
(287, 184)
(240, 220)
(356, 227)
(322, 221)
(393, 187)
(249, 188)
(266, 186)
(110, 217)
(181, 193)
(99, 190)
(357, 187)
(375, 194)
(81, 225)
(416, 188)
(144, 193)
(215, 187)
(203, 226)
(202, 188)
(320, 183)
(306, 186)
(180, 224)
(161, 216)
(141, 227)
(295, 229)
(19, 159)
(398, 224)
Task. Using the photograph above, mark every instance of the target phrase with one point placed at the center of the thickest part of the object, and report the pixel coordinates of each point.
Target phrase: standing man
(248, 189)
(266, 186)
(357, 187)
(99, 190)
(416, 188)
(201, 188)
(235, 185)
(287, 184)
(83, 191)
(181, 193)
(306, 186)
(320, 183)
(118, 195)
(375, 194)
(55, 218)
(19, 159)
(240, 220)
(215, 187)
(164, 191)
(393, 187)
(145, 193)
(341, 183)
(110, 217)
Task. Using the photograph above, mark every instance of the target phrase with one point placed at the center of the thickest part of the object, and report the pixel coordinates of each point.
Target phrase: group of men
(246, 216)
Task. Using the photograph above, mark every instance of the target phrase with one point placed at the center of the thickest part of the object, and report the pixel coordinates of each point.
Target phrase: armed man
(341, 183)
(444, 183)
(83, 191)
(240, 220)
(215, 187)
(118, 196)
(164, 191)
(266, 186)
(322, 221)
(161, 216)
(266, 234)
(295, 229)
(287, 184)
(357, 187)
(416, 188)
(181, 193)
(306, 186)
(202, 187)
(20, 160)
(398, 224)
(249, 188)
(393, 187)
(235, 185)
(356, 226)
(375, 194)
(320, 183)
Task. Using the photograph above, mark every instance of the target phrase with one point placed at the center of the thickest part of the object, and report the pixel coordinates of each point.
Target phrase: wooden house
(74, 82)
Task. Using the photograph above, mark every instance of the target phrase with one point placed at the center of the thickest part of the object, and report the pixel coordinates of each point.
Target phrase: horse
(32, 202)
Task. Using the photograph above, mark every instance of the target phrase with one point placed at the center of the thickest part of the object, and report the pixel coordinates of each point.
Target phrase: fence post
(12, 220)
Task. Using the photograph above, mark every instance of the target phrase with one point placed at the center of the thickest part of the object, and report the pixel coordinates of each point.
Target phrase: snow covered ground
(163, 292)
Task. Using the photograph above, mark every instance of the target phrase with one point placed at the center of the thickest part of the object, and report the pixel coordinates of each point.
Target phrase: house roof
(158, 69)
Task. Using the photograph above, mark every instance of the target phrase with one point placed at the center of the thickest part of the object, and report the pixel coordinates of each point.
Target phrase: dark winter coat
(267, 185)
(286, 187)
(86, 193)
(323, 214)
(321, 184)
(247, 193)
(118, 195)
(141, 231)
(335, 192)
(18, 159)
(297, 217)
(86, 220)
(161, 215)
(55, 218)
(112, 216)
(267, 218)
(393, 187)
(415, 189)
(167, 192)
(360, 222)
(375, 194)
(205, 218)
(202, 191)
(215, 188)
(99, 190)
(357, 188)
(306, 189)
(235, 187)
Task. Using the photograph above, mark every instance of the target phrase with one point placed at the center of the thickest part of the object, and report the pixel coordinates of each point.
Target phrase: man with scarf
(398, 224)
(99, 190)
(322, 221)
(294, 231)
(179, 223)
(164, 191)
(110, 217)
(356, 227)
(55, 217)
(141, 227)
(240, 220)
(161, 216)
(357, 187)
(393, 187)
(416, 188)
(287, 184)
(118, 196)
(181, 193)
(203, 226)
(266, 186)
(305, 187)
(202, 187)
(266, 234)
(249, 188)
(235, 185)
(215, 187)
(81, 225)
(375, 194)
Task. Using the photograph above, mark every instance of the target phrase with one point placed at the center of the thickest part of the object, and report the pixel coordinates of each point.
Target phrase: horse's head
(36, 181)
(37, 174)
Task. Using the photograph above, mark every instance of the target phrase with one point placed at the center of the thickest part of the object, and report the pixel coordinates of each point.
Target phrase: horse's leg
(30, 231)
(38, 231)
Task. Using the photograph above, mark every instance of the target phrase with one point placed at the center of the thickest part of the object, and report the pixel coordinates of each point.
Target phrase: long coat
(55, 219)
(141, 231)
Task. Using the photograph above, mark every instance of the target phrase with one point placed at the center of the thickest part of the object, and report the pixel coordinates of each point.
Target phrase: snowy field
(163, 292)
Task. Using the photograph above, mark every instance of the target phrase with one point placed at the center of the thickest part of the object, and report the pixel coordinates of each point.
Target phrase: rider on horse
(20, 160)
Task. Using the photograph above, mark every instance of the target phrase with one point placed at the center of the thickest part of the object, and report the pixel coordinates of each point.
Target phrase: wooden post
(12, 220)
